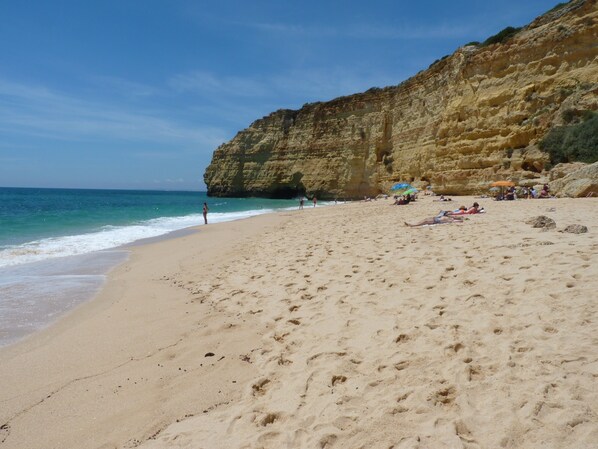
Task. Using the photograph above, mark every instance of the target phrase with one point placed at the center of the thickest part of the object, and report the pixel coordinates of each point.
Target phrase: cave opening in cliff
(293, 188)
(287, 193)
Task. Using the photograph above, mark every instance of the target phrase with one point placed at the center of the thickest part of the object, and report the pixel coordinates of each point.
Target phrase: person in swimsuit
(205, 213)
(438, 219)
(475, 209)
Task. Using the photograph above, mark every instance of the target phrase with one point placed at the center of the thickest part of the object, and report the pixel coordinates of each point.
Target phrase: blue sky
(138, 94)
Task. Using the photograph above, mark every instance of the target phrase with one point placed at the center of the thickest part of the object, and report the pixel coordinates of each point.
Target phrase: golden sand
(328, 327)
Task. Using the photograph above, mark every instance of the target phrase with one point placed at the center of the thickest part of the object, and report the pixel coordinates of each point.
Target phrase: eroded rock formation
(582, 182)
(469, 119)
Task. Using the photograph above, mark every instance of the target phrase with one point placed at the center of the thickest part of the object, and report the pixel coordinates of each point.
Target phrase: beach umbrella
(410, 191)
(401, 185)
(502, 184)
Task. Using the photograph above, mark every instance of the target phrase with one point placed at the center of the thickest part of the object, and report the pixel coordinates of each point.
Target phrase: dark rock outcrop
(542, 221)
(576, 229)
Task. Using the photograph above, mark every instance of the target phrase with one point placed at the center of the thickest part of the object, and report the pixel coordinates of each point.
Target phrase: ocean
(56, 245)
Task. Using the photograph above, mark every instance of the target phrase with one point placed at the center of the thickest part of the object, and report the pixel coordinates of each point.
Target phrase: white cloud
(37, 110)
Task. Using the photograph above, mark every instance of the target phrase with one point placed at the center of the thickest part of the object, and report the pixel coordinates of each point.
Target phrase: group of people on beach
(403, 199)
(454, 216)
(450, 216)
(513, 193)
(302, 201)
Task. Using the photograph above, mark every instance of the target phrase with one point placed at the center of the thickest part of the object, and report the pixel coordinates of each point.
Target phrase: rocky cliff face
(578, 183)
(471, 118)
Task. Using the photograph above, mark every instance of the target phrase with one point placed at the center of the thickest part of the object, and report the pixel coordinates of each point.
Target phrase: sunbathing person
(438, 219)
(459, 211)
(475, 209)
(401, 201)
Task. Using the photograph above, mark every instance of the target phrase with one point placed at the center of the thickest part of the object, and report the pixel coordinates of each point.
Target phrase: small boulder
(542, 221)
(576, 229)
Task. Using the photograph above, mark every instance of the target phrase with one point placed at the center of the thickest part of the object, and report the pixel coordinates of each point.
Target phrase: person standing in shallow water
(315, 201)
(205, 213)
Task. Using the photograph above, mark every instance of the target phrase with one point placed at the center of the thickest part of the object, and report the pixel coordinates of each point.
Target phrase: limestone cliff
(469, 119)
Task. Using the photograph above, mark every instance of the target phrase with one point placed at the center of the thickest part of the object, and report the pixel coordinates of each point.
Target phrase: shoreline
(82, 286)
(346, 297)
(86, 343)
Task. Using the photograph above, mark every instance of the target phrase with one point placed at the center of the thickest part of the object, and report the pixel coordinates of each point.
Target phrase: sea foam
(109, 237)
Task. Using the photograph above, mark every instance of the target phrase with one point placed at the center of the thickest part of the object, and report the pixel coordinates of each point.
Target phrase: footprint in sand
(444, 396)
(475, 297)
(338, 380)
(4, 432)
(523, 349)
(327, 441)
(402, 338)
(464, 433)
(270, 418)
(280, 337)
(440, 309)
(400, 366)
(474, 372)
(456, 347)
(259, 388)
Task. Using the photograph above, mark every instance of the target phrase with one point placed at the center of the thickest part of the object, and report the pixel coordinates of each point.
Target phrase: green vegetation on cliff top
(576, 142)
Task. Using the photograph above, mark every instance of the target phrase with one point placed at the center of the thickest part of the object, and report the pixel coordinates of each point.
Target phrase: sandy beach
(335, 327)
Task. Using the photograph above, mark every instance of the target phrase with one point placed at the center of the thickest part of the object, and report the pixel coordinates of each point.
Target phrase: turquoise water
(56, 245)
(31, 214)
(36, 224)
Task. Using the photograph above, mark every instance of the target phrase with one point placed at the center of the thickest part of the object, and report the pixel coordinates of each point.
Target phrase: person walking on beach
(301, 201)
(205, 213)
(315, 201)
